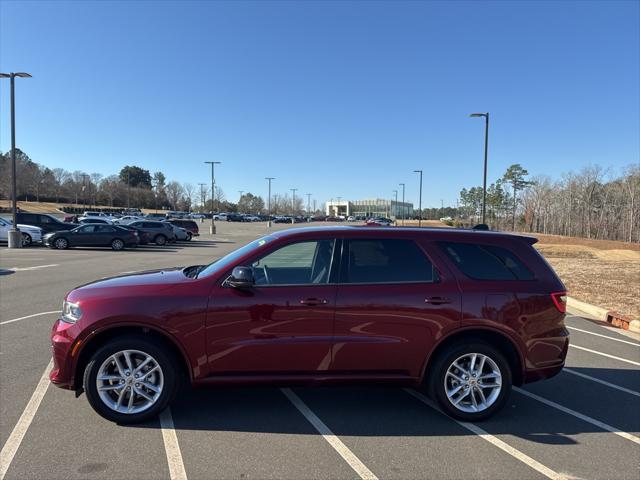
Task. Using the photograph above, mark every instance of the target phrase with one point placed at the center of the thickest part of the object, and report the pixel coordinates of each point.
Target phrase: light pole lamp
(14, 239)
(269, 200)
(403, 206)
(420, 199)
(212, 229)
(486, 150)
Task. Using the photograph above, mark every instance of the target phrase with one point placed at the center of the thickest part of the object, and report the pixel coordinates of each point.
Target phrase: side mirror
(241, 277)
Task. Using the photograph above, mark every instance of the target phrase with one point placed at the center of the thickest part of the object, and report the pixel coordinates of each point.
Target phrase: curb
(602, 314)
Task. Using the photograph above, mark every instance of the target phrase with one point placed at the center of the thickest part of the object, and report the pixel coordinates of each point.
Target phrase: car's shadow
(392, 411)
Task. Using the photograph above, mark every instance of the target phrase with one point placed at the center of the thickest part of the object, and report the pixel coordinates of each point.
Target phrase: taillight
(560, 301)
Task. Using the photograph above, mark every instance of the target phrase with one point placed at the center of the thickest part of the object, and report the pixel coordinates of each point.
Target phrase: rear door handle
(312, 302)
(437, 300)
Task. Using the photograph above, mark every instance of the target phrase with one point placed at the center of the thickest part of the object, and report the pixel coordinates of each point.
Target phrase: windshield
(227, 260)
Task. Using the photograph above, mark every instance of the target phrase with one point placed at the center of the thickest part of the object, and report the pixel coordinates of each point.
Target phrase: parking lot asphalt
(584, 423)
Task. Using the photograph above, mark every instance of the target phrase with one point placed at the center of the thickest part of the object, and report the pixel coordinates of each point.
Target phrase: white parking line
(37, 267)
(28, 316)
(348, 456)
(495, 441)
(604, 336)
(15, 439)
(579, 415)
(597, 380)
(632, 362)
(171, 447)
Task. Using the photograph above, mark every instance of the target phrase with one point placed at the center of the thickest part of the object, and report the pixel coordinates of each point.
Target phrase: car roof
(434, 233)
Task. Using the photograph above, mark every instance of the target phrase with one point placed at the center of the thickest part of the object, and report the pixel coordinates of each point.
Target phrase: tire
(26, 240)
(61, 243)
(440, 381)
(117, 244)
(189, 236)
(160, 240)
(138, 347)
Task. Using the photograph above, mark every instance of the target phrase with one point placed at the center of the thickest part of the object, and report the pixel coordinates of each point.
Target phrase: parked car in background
(159, 232)
(126, 219)
(156, 216)
(30, 234)
(84, 220)
(472, 313)
(46, 222)
(143, 237)
(220, 216)
(180, 233)
(95, 214)
(92, 235)
(188, 225)
(235, 217)
(198, 215)
(252, 218)
(378, 222)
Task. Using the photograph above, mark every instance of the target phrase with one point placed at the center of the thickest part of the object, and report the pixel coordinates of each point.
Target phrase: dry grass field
(601, 272)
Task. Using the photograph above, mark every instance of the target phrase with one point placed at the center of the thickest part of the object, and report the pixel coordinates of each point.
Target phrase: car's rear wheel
(189, 236)
(130, 380)
(26, 240)
(160, 240)
(117, 244)
(61, 243)
(470, 382)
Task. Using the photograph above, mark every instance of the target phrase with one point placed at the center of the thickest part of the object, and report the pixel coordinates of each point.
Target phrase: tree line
(593, 203)
(131, 187)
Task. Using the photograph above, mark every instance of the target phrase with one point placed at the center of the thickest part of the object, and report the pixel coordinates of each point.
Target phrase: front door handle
(437, 300)
(312, 302)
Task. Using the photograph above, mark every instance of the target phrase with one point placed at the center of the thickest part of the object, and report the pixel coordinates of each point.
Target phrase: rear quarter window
(486, 262)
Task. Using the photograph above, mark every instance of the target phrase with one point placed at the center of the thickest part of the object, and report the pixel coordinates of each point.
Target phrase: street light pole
(396, 215)
(403, 206)
(420, 201)
(269, 200)
(308, 203)
(14, 239)
(486, 151)
(212, 229)
(84, 190)
(293, 203)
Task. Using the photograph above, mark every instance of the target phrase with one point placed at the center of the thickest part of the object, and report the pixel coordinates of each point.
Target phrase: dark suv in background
(464, 313)
(47, 223)
(159, 232)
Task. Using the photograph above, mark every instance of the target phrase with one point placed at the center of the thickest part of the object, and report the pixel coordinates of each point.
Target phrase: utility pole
(293, 203)
(202, 199)
(420, 201)
(403, 205)
(486, 150)
(212, 228)
(269, 200)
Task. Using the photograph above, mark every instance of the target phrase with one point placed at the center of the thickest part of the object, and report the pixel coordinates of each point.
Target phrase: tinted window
(45, 219)
(386, 261)
(486, 262)
(87, 229)
(301, 263)
(105, 228)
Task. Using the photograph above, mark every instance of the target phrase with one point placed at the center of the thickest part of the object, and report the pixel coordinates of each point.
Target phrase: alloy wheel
(61, 243)
(130, 381)
(473, 382)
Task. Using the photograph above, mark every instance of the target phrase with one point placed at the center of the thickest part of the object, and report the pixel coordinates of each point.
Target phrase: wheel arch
(95, 341)
(506, 345)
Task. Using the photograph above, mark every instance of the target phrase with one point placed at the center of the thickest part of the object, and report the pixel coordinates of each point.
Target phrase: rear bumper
(531, 376)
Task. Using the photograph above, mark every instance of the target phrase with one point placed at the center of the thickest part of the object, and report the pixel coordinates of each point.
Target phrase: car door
(284, 324)
(393, 304)
(84, 236)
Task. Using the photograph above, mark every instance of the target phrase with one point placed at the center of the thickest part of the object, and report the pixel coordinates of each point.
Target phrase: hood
(149, 278)
(29, 228)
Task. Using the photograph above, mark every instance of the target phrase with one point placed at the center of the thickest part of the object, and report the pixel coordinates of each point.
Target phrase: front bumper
(63, 343)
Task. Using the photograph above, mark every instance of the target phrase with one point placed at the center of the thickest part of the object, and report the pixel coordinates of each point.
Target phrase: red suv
(464, 313)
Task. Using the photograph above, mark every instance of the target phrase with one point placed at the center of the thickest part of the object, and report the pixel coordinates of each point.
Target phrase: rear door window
(386, 261)
(486, 262)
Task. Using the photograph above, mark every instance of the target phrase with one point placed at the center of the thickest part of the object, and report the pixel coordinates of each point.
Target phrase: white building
(379, 207)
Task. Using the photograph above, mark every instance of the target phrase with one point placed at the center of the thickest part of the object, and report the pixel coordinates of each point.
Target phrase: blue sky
(333, 98)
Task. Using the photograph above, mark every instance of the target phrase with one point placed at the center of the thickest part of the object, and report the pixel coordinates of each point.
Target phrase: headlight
(71, 312)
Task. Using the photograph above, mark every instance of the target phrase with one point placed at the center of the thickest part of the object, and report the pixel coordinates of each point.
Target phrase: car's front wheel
(160, 240)
(470, 382)
(130, 380)
(61, 243)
